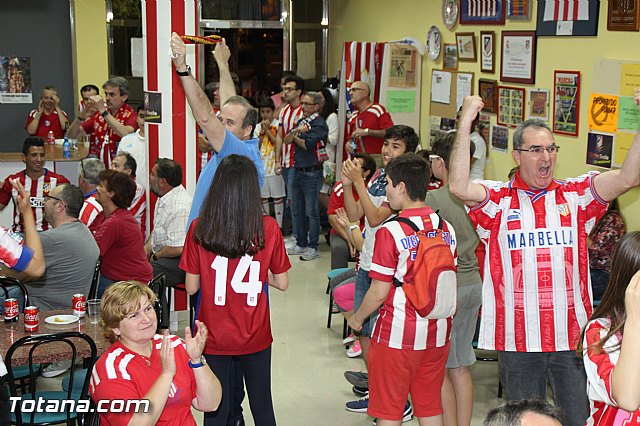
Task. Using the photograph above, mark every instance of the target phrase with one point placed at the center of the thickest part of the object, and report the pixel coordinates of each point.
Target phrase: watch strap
(104, 113)
(184, 73)
(202, 362)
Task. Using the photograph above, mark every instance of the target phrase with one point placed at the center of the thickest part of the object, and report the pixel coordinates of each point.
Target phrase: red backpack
(431, 283)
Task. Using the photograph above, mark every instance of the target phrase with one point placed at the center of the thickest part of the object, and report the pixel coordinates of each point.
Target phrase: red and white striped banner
(566, 10)
(483, 8)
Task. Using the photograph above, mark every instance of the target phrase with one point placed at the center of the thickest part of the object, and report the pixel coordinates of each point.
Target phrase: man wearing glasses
(368, 123)
(536, 292)
(37, 180)
(88, 180)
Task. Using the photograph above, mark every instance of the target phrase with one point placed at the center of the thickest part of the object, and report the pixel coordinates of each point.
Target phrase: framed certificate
(487, 49)
(518, 63)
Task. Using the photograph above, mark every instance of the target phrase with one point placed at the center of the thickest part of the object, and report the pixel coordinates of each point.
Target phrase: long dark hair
(329, 106)
(230, 222)
(624, 265)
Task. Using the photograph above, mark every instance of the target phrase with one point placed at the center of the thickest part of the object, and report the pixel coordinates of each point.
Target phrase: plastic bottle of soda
(66, 148)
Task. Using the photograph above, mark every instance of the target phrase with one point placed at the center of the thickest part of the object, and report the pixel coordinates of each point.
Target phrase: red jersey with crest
(104, 141)
(91, 212)
(288, 119)
(121, 373)
(37, 190)
(375, 117)
(536, 292)
(232, 302)
(399, 326)
(47, 123)
(599, 366)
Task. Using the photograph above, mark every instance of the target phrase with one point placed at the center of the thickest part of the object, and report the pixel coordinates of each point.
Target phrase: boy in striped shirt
(408, 353)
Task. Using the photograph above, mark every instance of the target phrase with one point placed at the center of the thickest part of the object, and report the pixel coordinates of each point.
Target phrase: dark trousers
(339, 252)
(169, 266)
(257, 376)
(524, 376)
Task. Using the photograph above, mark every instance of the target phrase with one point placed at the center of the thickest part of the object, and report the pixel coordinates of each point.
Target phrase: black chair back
(7, 282)
(34, 342)
(159, 285)
(93, 290)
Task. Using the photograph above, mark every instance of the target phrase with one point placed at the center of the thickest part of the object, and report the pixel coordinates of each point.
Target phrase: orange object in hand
(212, 39)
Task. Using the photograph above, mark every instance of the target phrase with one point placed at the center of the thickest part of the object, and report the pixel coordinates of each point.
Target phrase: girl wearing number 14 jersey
(230, 252)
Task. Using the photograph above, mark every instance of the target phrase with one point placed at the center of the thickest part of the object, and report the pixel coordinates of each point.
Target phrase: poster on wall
(603, 112)
(600, 150)
(510, 105)
(539, 104)
(153, 107)
(500, 138)
(566, 102)
(567, 18)
(15, 80)
(402, 69)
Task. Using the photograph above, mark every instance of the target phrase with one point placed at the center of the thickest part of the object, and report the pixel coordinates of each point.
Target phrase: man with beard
(164, 245)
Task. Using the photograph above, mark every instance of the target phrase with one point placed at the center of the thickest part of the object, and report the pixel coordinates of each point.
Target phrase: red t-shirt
(336, 201)
(232, 301)
(48, 122)
(122, 249)
(375, 117)
(97, 127)
(121, 373)
(37, 190)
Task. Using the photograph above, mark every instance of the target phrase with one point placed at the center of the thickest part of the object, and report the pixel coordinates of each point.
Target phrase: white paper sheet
(137, 57)
(463, 88)
(441, 87)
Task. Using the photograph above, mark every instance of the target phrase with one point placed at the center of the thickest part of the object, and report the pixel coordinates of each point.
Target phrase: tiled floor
(309, 359)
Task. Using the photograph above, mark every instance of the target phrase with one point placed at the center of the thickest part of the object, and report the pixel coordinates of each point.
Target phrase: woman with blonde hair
(165, 370)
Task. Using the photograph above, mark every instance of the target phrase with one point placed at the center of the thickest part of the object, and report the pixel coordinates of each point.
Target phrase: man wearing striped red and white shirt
(408, 353)
(37, 181)
(88, 180)
(536, 293)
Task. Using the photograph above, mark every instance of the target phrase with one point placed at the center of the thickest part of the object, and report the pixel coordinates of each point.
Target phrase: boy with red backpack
(408, 350)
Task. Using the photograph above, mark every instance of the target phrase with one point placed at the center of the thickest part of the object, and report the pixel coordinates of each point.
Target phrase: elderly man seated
(88, 171)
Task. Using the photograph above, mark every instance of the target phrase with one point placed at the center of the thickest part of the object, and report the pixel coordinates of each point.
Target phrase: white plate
(434, 42)
(61, 319)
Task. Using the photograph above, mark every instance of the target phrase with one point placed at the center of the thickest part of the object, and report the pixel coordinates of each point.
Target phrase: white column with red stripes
(175, 137)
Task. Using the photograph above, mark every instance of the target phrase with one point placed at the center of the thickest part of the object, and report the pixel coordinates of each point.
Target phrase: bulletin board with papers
(448, 90)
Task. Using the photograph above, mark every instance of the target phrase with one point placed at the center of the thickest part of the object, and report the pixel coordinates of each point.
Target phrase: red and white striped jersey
(566, 10)
(37, 190)
(399, 326)
(13, 252)
(121, 373)
(288, 119)
(375, 117)
(537, 293)
(599, 367)
(90, 211)
(138, 209)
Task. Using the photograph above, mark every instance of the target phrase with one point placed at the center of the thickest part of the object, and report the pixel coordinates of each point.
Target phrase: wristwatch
(105, 113)
(354, 226)
(184, 73)
(203, 361)
(366, 131)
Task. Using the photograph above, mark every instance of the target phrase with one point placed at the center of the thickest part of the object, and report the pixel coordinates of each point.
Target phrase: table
(51, 352)
(52, 152)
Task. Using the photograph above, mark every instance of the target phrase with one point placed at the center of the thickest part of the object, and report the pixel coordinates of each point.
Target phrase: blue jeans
(103, 284)
(363, 282)
(599, 282)
(524, 375)
(306, 187)
(287, 175)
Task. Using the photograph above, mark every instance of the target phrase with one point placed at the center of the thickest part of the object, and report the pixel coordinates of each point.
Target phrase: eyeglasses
(53, 198)
(353, 89)
(433, 157)
(537, 149)
(289, 89)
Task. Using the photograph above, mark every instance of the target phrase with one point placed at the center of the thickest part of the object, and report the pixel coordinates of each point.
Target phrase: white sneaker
(290, 242)
(56, 368)
(310, 254)
(296, 250)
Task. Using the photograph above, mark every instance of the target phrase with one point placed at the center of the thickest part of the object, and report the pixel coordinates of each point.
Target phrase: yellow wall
(380, 20)
(91, 43)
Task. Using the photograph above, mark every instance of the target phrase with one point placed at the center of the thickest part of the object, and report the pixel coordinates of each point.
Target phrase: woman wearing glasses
(122, 254)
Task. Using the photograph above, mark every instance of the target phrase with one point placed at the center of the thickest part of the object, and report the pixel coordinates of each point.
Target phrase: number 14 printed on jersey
(251, 288)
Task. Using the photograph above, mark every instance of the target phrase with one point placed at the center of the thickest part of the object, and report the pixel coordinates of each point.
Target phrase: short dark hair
(88, 87)
(414, 171)
(405, 134)
(123, 187)
(129, 162)
(31, 141)
(72, 197)
(230, 222)
(510, 413)
(443, 144)
(170, 170)
(287, 73)
(297, 80)
(368, 163)
(267, 103)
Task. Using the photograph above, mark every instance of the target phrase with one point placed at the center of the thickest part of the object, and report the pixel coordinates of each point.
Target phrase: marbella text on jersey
(540, 238)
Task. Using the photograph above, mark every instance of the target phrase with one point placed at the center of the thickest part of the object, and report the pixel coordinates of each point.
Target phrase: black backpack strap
(406, 222)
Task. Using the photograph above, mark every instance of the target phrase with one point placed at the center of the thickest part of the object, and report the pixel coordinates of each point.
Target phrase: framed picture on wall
(487, 12)
(487, 90)
(466, 47)
(518, 57)
(539, 104)
(559, 18)
(566, 102)
(624, 15)
(519, 10)
(511, 105)
(487, 49)
(450, 61)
